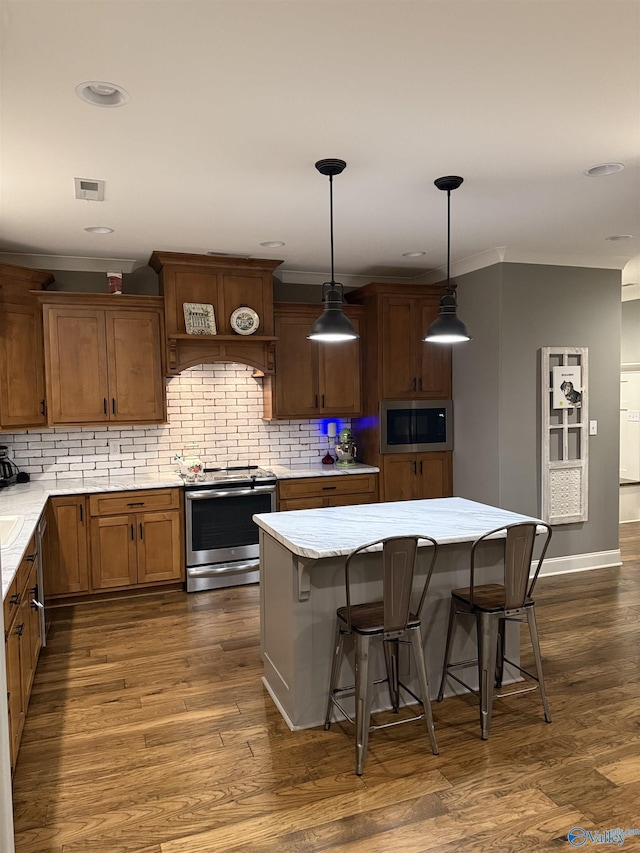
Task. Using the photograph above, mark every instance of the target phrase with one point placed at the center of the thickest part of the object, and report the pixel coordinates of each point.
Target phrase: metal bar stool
(494, 604)
(390, 620)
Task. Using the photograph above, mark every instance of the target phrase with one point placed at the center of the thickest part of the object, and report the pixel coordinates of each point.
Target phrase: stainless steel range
(221, 537)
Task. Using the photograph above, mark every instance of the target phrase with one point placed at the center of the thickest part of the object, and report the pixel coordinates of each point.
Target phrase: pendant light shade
(332, 324)
(447, 328)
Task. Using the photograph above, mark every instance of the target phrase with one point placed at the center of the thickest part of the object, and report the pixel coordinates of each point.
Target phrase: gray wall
(527, 307)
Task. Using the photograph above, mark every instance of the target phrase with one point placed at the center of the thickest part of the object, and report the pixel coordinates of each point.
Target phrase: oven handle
(223, 569)
(228, 493)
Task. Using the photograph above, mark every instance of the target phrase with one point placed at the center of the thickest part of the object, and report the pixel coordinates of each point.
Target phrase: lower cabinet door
(65, 550)
(398, 477)
(113, 551)
(434, 475)
(159, 546)
(35, 626)
(15, 693)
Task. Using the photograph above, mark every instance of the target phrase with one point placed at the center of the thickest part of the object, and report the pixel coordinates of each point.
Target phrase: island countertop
(335, 531)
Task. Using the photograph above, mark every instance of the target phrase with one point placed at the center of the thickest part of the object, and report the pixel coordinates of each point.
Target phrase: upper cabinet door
(399, 376)
(339, 376)
(296, 380)
(77, 365)
(136, 384)
(434, 363)
(22, 395)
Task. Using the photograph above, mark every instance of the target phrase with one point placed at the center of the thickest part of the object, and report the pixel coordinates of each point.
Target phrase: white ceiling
(233, 101)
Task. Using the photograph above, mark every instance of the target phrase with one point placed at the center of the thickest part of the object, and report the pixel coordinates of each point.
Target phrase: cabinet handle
(137, 503)
(43, 407)
(414, 467)
(420, 383)
(15, 598)
(323, 401)
(421, 466)
(113, 405)
(81, 513)
(315, 405)
(31, 558)
(19, 631)
(133, 536)
(104, 404)
(328, 488)
(141, 535)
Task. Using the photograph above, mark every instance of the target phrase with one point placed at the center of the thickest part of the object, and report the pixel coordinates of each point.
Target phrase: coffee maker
(8, 470)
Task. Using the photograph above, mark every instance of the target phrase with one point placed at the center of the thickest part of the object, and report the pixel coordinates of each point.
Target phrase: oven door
(220, 526)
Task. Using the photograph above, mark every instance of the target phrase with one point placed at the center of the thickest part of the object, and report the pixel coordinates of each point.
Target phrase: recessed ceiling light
(272, 244)
(99, 229)
(102, 94)
(601, 169)
(615, 237)
(412, 254)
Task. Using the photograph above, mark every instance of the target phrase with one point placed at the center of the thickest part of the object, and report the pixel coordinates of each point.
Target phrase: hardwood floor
(149, 731)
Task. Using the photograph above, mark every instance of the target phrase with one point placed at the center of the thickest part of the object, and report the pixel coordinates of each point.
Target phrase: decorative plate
(199, 318)
(244, 320)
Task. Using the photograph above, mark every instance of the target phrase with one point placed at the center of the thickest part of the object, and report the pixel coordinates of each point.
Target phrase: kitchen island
(302, 557)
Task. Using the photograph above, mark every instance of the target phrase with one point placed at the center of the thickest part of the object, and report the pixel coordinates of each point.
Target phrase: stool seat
(489, 597)
(369, 618)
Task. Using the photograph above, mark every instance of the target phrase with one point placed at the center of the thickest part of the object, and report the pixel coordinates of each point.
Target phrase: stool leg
(487, 627)
(500, 653)
(418, 653)
(335, 669)
(391, 650)
(364, 677)
(533, 630)
(447, 650)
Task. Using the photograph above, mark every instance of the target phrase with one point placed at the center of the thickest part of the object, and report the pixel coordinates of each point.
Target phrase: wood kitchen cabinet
(336, 490)
(66, 547)
(410, 368)
(399, 365)
(22, 374)
(409, 476)
(136, 538)
(312, 379)
(226, 284)
(103, 359)
(23, 641)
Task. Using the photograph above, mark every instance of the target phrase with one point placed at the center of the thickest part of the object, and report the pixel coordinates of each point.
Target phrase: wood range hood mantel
(226, 283)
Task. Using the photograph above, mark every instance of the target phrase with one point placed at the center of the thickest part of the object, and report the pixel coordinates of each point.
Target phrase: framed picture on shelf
(567, 387)
(199, 318)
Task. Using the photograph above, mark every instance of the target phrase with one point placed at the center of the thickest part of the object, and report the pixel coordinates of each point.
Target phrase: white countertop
(335, 531)
(29, 499)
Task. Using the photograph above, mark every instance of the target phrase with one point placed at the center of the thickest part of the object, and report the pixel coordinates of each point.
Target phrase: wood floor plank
(149, 731)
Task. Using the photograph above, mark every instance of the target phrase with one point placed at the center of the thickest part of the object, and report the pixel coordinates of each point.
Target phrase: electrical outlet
(114, 446)
(633, 416)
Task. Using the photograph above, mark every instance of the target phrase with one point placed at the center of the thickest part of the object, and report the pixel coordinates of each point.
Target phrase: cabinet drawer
(310, 487)
(118, 503)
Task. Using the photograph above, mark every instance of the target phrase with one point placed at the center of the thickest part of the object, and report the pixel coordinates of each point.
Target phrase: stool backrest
(518, 554)
(398, 567)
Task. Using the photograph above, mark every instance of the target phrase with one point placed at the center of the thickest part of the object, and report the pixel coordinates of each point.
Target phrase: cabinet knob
(19, 630)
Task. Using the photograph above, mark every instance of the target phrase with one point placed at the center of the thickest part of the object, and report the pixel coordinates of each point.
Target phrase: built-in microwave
(413, 426)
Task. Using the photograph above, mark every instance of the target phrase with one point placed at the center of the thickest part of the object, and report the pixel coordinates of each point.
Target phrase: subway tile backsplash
(216, 406)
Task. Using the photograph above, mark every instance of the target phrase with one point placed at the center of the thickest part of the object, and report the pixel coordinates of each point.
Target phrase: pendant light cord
(448, 239)
(331, 221)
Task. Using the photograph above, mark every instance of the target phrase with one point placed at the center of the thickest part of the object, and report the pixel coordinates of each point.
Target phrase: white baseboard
(580, 562)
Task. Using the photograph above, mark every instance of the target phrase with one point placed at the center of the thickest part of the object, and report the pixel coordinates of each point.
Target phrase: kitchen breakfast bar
(302, 554)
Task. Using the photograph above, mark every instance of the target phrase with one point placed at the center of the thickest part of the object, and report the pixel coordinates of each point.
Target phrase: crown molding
(70, 263)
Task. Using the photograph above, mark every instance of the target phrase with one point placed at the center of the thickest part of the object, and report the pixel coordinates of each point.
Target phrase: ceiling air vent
(89, 190)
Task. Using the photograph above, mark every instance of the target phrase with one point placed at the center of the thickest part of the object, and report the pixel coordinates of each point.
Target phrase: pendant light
(332, 324)
(447, 328)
